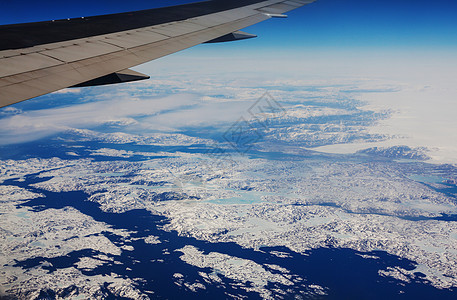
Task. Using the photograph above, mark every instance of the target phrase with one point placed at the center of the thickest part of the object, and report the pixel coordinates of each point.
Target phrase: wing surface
(43, 57)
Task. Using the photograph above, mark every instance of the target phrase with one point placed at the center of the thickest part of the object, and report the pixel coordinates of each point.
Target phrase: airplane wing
(43, 57)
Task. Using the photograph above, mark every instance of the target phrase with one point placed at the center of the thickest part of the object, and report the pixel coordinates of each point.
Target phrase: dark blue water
(441, 217)
(52, 147)
(343, 272)
(448, 189)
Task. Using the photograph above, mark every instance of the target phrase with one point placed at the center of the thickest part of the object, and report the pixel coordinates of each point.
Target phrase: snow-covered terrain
(251, 177)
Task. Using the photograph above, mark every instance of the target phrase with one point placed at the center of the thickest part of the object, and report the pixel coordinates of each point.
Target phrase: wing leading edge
(39, 58)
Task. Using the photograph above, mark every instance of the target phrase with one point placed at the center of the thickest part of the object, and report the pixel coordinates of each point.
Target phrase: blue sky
(326, 24)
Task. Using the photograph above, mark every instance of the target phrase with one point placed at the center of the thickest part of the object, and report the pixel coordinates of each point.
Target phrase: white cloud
(166, 114)
(33, 125)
